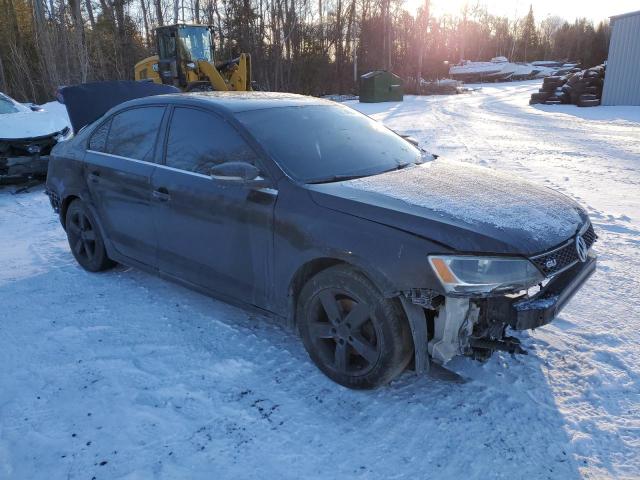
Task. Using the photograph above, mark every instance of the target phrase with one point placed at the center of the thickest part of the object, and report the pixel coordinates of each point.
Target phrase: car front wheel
(85, 239)
(352, 333)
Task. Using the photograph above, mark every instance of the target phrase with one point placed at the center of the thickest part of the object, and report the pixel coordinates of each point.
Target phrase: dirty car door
(215, 235)
(118, 167)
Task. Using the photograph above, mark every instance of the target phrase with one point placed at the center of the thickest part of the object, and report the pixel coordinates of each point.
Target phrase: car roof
(233, 101)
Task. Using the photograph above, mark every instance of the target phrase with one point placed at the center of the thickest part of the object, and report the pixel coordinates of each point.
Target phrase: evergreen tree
(529, 37)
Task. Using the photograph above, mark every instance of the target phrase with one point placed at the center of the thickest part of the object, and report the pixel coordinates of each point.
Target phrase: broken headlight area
(475, 320)
(471, 327)
(467, 275)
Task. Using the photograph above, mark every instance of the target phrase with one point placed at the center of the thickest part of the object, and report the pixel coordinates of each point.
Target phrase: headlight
(462, 274)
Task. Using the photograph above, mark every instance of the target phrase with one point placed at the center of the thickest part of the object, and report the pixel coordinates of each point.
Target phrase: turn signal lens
(445, 275)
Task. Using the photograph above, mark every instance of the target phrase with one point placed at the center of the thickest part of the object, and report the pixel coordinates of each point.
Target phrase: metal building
(622, 78)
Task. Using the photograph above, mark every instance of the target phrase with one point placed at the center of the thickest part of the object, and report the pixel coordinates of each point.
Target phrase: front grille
(563, 257)
(589, 236)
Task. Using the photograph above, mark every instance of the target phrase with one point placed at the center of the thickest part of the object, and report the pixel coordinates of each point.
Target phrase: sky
(595, 10)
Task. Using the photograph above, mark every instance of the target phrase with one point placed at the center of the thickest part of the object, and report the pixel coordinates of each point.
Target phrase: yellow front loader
(185, 60)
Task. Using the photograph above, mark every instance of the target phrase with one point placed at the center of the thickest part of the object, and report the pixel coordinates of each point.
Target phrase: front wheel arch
(388, 328)
(313, 267)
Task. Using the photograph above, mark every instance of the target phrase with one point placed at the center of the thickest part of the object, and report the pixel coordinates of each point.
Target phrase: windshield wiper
(398, 167)
(343, 178)
(337, 178)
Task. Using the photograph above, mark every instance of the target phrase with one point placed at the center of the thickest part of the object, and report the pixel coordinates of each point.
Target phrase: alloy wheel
(82, 236)
(344, 333)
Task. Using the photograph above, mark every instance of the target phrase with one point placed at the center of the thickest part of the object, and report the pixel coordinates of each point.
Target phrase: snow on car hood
(466, 207)
(479, 195)
(30, 124)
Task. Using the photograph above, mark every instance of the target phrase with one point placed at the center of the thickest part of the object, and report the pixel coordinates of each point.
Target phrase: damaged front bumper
(25, 158)
(16, 169)
(477, 326)
(544, 306)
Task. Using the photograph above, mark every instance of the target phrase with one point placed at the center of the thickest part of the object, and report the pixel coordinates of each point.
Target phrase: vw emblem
(581, 248)
(551, 263)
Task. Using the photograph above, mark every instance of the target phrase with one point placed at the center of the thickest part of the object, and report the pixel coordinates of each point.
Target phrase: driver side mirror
(238, 173)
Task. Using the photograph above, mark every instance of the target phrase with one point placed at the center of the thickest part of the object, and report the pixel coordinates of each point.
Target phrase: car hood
(24, 125)
(461, 206)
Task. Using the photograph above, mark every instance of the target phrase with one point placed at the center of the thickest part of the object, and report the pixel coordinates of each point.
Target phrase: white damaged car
(27, 134)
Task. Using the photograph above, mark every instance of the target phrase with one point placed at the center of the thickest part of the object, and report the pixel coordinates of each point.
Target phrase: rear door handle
(94, 176)
(161, 194)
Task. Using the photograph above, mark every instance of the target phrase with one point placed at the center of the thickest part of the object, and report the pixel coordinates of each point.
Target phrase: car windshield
(7, 105)
(324, 143)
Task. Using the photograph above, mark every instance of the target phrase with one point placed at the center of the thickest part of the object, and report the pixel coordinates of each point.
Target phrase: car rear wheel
(84, 238)
(352, 333)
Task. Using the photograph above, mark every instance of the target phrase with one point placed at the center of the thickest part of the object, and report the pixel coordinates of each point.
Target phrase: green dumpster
(380, 86)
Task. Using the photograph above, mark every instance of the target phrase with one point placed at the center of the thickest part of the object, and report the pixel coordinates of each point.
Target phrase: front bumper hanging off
(473, 326)
(544, 306)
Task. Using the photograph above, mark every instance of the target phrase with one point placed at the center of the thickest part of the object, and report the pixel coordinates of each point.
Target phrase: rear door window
(199, 140)
(133, 133)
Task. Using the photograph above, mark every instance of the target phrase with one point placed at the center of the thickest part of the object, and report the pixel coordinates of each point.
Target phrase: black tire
(592, 82)
(588, 103)
(575, 97)
(539, 97)
(200, 87)
(550, 87)
(352, 333)
(573, 79)
(85, 240)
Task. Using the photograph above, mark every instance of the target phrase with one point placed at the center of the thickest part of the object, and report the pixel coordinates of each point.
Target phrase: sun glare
(568, 9)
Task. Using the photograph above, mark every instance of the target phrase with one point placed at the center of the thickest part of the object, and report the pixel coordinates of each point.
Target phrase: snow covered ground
(124, 375)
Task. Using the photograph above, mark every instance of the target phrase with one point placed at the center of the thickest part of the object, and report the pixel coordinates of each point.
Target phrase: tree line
(306, 46)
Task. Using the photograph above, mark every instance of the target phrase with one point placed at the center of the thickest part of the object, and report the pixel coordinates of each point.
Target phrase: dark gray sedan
(382, 256)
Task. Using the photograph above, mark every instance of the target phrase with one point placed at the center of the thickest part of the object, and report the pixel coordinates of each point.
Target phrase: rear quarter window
(98, 140)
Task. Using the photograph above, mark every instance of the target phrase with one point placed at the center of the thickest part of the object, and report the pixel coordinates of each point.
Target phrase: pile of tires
(580, 87)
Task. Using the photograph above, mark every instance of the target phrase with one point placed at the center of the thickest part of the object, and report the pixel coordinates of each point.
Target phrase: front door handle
(94, 176)
(161, 194)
